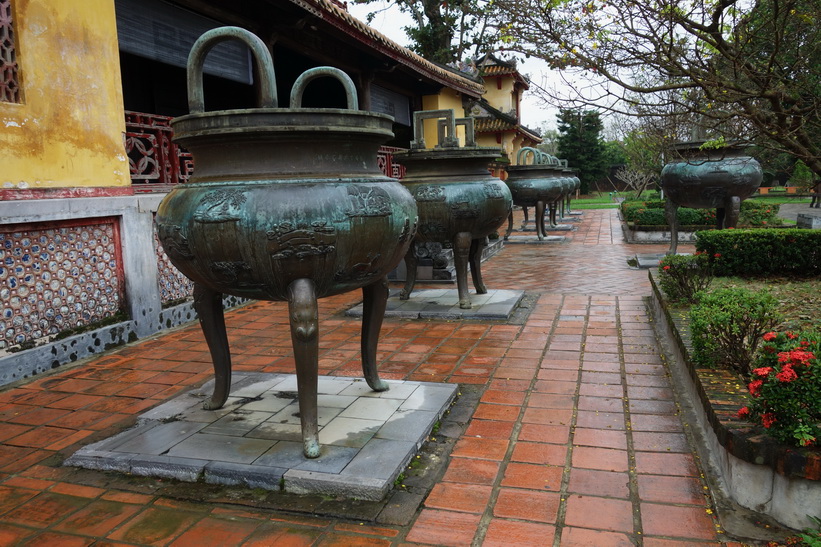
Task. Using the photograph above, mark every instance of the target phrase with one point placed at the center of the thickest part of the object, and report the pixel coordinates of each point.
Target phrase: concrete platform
(649, 260)
(444, 304)
(520, 239)
(255, 440)
(530, 226)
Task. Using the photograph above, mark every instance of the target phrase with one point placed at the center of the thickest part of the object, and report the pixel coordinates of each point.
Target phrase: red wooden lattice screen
(154, 161)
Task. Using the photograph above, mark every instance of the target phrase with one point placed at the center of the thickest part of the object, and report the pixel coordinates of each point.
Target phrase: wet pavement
(566, 431)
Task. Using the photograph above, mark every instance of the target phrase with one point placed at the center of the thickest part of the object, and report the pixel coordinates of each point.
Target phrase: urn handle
(538, 156)
(467, 123)
(262, 58)
(449, 122)
(312, 74)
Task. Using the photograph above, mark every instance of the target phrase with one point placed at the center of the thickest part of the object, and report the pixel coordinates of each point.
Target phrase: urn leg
(670, 209)
(374, 302)
(475, 260)
(733, 211)
(304, 318)
(410, 274)
(540, 220)
(208, 305)
(509, 224)
(721, 215)
(552, 214)
(461, 251)
(524, 222)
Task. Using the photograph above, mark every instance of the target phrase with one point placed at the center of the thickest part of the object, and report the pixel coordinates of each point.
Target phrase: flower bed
(753, 469)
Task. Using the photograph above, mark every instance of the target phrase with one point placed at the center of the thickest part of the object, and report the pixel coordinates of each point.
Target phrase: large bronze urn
(701, 177)
(459, 201)
(284, 204)
(539, 184)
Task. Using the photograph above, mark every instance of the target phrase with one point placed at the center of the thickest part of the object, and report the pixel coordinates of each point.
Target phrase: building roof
(490, 65)
(337, 15)
(495, 120)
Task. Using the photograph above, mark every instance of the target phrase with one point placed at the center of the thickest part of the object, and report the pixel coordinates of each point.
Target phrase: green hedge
(762, 251)
(651, 213)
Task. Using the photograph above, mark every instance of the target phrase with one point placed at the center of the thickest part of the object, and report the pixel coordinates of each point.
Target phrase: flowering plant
(785, 388)
(682, 276)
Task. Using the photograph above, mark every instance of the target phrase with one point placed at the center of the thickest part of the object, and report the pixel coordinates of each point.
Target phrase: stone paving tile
(575, 441)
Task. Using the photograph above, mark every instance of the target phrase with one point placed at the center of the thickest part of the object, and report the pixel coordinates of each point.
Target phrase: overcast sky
(390, 23)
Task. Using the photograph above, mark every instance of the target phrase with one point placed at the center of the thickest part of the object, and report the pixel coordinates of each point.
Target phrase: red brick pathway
(576, 439)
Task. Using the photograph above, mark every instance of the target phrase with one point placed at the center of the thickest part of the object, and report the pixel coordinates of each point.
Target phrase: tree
(801, 176)
(580, 144)
(738, 68)
(446, 31)
(550, 140)
(636, 180)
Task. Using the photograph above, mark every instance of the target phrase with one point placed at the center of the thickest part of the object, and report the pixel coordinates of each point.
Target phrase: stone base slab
(367, 438)
(444, 304)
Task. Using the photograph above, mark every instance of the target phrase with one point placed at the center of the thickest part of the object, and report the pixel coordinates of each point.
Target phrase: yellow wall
(68, 130)
(500, 99)
(447, 99)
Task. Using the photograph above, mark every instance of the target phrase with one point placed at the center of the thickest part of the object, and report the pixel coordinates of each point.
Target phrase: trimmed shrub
(651, 213)
(727, 324)
(755, 252)
(681, 277)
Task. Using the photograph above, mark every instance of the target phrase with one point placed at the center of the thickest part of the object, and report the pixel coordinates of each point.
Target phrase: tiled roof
(336, 15)
(491, 125)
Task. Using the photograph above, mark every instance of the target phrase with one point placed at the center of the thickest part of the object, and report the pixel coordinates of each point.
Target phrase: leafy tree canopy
(445, 31)
(741, 69)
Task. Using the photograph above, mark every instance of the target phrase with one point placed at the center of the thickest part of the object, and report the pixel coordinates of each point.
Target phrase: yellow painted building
(65, 126)
(498, 120)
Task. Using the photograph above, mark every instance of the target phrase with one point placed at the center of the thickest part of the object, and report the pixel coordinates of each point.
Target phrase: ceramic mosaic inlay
(53, 279)
(174, 285)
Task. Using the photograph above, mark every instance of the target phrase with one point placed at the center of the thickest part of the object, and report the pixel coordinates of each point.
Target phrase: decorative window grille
(385, 160)
(155, 162)
(9, 85)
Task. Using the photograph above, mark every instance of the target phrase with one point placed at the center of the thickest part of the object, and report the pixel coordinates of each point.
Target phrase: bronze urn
(285, 204)
(701, 177)
(539, 184)
(458, 200)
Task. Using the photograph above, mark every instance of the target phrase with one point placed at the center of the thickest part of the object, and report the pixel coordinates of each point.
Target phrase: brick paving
(575, 440)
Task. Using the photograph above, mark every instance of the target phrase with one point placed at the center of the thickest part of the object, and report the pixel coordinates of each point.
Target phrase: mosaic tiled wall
(174, 285)
(57, 278)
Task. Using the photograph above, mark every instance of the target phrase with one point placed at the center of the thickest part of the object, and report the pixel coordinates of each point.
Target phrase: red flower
(717, 255)
(787, 374)
(791, 336)
(763, 371)
(666, 268)
(769, 337)
(768, 419)
(743, 412)
(808, 442)
(755, 387)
